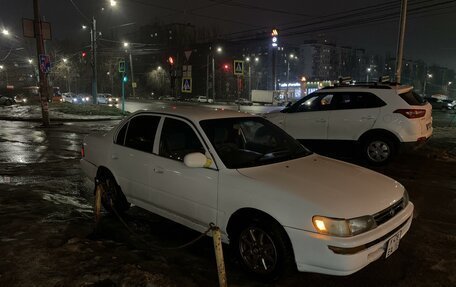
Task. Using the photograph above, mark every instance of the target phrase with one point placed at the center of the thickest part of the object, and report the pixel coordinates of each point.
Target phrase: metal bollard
(97, 207)
(216, 235)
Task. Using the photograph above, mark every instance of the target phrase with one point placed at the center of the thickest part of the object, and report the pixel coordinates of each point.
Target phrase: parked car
(243, 102)
(204, 99)
(6, 101)
(21, 99)
(278, 205)
(112, 101)
(450, 104)
(437, 104)
(102, 99)
(379, 119)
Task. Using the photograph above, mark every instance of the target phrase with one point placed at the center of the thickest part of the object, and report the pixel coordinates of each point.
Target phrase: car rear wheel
(262, 249)
(112, 196)
(378, 150)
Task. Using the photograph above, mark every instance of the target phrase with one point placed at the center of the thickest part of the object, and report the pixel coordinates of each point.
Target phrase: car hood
(329, 187)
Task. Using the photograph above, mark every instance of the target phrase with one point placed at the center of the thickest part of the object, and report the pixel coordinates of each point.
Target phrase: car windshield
(252, 141)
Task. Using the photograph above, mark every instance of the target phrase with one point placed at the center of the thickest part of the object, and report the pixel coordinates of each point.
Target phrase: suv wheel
(378, 151)
(262, 248)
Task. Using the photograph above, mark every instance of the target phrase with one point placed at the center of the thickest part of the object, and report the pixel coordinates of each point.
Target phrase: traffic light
(274, 39)
(83, 57)
(226, 67)
(171, 60)
(125, 79)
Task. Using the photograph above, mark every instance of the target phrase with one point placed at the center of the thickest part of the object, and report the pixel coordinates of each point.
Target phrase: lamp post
(219, 50)
(292, 56)
(368, 70)
(2, 68)
(428, 76)
(128, 50)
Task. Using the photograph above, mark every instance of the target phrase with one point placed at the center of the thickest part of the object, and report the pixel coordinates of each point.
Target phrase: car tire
(378, 150)
(262, 248)
(112, 196)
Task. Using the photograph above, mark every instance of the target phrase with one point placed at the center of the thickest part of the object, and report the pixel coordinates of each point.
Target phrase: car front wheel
(263, 250)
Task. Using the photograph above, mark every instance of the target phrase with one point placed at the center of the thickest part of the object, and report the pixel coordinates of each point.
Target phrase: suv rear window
(413, 98)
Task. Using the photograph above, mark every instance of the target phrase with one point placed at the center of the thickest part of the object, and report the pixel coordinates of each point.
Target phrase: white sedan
(279, 205)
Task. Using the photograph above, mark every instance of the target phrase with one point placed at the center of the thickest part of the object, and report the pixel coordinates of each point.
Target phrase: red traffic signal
(171, 60)
(226, 67)
(84, 54)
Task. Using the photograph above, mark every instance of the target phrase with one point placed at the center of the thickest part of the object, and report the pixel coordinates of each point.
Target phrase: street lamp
(6, 73)
(159, 68)
(428, 76)
(292, 56)
(30, 61)
(368, 70)
(126, 45)
(219, 50)
(113, 3)
(65, 60)
(5, 32)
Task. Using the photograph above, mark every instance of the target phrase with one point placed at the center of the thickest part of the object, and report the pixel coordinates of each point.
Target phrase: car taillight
(82, 151)
(411, 113)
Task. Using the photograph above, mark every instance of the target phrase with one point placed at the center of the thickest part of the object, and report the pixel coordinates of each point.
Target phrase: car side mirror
(196, 159)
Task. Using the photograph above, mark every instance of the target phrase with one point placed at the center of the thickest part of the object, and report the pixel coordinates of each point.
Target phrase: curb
(13, 119)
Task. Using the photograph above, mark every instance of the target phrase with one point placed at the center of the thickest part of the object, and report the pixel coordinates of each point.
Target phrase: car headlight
(110, 99)
(343, 227)
(75, 100)
(87, 99)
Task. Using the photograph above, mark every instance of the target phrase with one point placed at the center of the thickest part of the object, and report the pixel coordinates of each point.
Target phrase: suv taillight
(411, 113)
(82, 151)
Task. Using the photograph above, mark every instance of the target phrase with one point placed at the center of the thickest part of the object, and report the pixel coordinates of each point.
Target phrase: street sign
(30, 29)
(121, 66)
(187, 71)
(45, 63)
(186, 85)
(187, 54)
(134, 85)
(238, 68)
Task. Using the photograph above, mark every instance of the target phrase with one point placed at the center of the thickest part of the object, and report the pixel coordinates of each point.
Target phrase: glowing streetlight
(219, 49)
(84, 27)
(5, 32)
(257, 59)
(292, 56)
(113, 3)
(429, 76)
(247, 59)
(159, 68)
(65, 60)
(449, 83)
(1, 67)
(126, 44)
(30, 61)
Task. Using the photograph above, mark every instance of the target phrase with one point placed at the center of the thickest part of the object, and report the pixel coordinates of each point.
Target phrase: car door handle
(158, 170)
(321, 121)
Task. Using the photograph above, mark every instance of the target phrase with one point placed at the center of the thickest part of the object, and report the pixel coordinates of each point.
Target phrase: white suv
(378, 118)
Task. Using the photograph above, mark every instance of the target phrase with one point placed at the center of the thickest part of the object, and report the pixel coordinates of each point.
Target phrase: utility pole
(44, 88)
(400, 44)
(213, 78)
(207, 77)
(93, 38)
(132, 79)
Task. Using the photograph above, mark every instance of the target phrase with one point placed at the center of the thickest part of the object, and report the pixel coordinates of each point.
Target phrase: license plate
(428, 125)
(393, 244)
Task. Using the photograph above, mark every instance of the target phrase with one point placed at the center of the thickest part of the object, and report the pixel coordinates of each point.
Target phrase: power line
(79, 11)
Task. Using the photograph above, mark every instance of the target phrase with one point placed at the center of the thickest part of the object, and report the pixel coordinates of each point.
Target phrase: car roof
(196, 113)
(400, 89)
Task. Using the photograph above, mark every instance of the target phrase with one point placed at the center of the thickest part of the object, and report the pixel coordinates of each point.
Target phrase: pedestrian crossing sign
(238, 68)
(186, 85)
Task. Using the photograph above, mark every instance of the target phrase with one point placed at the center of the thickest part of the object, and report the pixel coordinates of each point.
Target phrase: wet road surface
(47, 235)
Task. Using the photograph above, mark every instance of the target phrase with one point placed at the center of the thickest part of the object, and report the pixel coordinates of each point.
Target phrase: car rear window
(413, 98)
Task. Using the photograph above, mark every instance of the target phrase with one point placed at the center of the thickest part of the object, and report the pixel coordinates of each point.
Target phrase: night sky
(430, 34)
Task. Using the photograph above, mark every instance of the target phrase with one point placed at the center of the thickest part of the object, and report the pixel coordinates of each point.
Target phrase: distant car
(85, 98)
(278, 205)
(6, 101)
(68, 97)
(112, 101)
(243, 102)
(204, 99)
(102, 99)
(437, 104)
(450, 104)
(21, 99)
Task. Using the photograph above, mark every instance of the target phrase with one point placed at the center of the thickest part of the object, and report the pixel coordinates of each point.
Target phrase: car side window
(178, 139)
(345, 101)
(319, 102)
(120, 139)
(141, 132)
